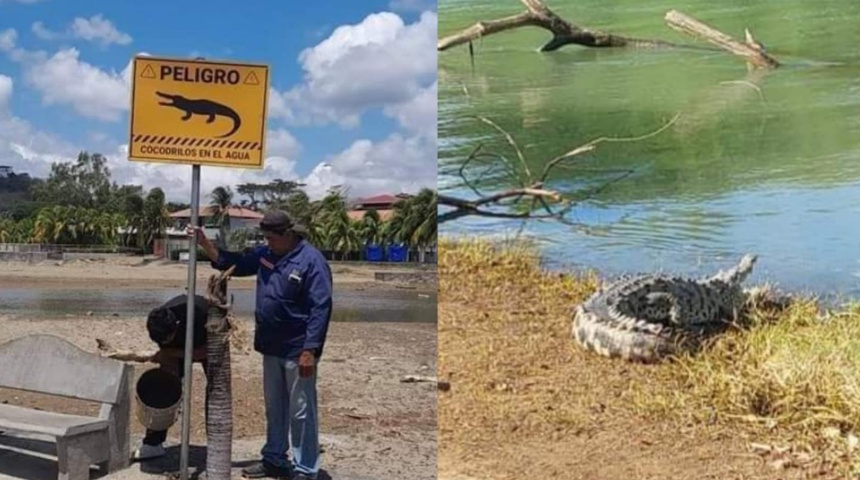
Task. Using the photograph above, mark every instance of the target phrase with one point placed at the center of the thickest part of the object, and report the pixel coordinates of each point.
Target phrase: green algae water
(759, 162)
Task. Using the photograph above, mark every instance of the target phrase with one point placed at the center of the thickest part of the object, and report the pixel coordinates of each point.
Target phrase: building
(383, 204)
(177, 240)
(239, 217)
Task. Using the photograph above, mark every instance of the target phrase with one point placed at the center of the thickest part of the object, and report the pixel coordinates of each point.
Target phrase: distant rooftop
(208, 211)
(383, 199)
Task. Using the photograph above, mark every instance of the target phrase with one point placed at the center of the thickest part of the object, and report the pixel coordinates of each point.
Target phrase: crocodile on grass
(648, 317)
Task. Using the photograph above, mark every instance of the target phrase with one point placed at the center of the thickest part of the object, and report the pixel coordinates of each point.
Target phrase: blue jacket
(294, 297)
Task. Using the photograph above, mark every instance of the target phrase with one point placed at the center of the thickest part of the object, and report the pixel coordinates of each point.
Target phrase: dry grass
(791, 373)
(517, 376)
(503, 354)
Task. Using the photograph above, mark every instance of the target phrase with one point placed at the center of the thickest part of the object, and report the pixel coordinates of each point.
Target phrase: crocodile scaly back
(648, 317)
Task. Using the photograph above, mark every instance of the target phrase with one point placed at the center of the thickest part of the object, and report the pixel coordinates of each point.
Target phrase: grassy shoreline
(505, 346)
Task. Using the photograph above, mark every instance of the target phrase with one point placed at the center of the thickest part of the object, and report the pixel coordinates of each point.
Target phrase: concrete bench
(50, 365)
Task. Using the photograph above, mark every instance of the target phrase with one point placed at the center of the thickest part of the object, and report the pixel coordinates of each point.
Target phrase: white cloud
(281, 143)
(378, 62)
(27, 150)
(95, 29)
(5, 92)
(418, 114)
(66, 80)
(99, 30)
(8, 39)
(8, 45)
(21, 146)
(175, 179)
(395, 164)
(411, 5)
(43, 32)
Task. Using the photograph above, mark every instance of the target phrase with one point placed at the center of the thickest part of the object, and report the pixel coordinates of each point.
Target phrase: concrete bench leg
(76, 454)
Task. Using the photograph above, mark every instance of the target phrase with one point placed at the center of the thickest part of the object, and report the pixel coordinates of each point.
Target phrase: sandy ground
(374, 426)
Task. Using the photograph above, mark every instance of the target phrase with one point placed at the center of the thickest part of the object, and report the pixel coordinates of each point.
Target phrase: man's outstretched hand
(205, 244)
(306, 364)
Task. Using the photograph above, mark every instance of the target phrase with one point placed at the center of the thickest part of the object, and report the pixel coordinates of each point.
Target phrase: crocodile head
(739, 273)
(172, 98)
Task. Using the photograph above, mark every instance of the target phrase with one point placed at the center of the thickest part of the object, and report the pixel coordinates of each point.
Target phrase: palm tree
(222, 200)
(219, 421)
(335, 227)
(423, 211)
(370, 227)
(156, 217)
(414, 222)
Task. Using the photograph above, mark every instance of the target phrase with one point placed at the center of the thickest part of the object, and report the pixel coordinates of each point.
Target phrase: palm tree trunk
(219, 423)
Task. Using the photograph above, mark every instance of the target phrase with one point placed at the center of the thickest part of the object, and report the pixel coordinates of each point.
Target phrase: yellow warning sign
(198, 112)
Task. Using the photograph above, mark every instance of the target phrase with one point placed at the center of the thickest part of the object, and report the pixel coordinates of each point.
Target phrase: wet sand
(132, 272)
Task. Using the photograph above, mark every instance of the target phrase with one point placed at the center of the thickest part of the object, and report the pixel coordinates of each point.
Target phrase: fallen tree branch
(752, 50)
(440, 384)
(418, 378)
(593, 144)
(726, 95)
(529, 187)
(473, 207)
(107, 350)
(537, 14)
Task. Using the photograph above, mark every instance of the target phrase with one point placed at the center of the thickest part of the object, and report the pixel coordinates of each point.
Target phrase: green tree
(84, 183)
(222, 200)
(370, 228)
(155, 219)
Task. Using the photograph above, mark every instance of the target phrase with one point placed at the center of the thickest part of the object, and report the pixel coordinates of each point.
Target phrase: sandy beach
(373, 424)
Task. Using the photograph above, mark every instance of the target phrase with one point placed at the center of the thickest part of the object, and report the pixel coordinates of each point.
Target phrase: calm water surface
(763, 163)
(349, 306)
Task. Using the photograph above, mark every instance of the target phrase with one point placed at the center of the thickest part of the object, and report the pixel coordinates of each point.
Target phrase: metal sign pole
(183, 111)
(189, 329)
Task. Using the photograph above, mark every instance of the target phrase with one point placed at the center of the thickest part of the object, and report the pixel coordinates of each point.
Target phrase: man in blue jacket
(293, 309)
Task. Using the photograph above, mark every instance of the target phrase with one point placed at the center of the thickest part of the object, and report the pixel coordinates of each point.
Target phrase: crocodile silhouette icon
(202, 107)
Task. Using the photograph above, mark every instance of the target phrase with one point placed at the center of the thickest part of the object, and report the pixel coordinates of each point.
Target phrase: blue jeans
(291, 416)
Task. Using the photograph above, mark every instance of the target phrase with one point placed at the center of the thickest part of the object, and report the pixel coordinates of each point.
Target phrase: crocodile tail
(237, 122)
(626, 338)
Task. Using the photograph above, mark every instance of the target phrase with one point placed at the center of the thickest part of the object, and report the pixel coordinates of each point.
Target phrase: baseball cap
(278, 221)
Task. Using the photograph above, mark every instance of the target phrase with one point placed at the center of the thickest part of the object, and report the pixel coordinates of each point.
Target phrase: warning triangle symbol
(252, 79)
(147, 72)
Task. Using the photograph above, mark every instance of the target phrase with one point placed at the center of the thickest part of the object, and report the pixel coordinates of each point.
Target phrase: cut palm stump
(220, 327)
(219, 423)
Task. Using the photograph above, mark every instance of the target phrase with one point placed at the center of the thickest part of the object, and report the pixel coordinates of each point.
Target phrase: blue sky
(352, 95)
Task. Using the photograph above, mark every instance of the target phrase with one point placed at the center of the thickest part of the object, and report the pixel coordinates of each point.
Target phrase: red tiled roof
(208, 211)
(383, 199)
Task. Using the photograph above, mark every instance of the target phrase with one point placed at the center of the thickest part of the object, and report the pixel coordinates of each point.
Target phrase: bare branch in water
(528, 187)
